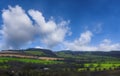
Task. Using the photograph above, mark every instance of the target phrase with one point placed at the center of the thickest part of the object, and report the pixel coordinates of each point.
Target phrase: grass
(4, 66)
(101, 66)
(39, 53)
(108, 65)
(26, 60)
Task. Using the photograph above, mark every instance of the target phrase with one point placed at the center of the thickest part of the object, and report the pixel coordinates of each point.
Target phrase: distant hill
(89, 55)
(64, 53)
(85, 53)
(40, 52)
(33, 51)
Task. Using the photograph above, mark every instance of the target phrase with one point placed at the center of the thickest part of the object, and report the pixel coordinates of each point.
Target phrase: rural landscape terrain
(44, 62)
(59, 37)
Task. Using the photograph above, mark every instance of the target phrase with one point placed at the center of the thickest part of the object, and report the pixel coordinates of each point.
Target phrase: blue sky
(89, 24)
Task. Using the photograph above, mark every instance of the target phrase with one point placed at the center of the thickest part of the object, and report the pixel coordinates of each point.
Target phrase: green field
(27, 60)
(38, 53)
(73, 64)
(86, 66)
(102, 66)
(36, 67)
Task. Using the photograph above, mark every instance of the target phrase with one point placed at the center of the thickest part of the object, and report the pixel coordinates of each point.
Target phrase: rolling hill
(32, 52)
(83, 55)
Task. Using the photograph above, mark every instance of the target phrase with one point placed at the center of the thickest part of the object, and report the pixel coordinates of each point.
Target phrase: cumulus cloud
(38, 47)
(51, 32)
(82, 44)
(18, 29)
(107, 45)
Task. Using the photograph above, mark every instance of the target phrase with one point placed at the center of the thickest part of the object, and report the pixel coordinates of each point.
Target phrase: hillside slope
(32, 52)
(92, 53)
(94, 56)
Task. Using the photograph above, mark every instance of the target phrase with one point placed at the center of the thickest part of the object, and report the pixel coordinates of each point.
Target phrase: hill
(40, 52)
(67, 54)
(95, 53)
(32, 52)
(96, 56)
(44, 62)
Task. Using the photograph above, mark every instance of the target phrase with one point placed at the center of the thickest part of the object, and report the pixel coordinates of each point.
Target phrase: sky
(78, 25)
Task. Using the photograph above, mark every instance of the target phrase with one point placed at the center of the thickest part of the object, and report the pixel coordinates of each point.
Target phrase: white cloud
(107, 45)
(51, 32)
(17, 27)
(85, 38)
(44, 27)
(82, 44)
(39, 47)
(19, 30)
